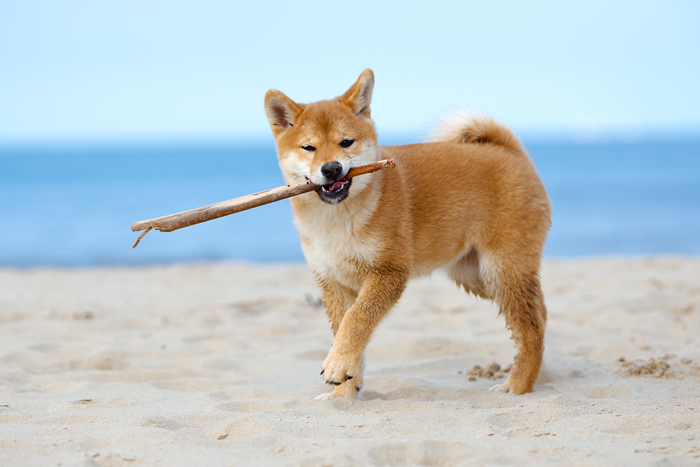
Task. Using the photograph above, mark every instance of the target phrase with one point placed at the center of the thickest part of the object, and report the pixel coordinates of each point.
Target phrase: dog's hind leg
(520, 299)
(337, 299)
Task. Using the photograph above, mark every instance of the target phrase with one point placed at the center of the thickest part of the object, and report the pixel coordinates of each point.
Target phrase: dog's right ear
(281, 111)
(359, 96)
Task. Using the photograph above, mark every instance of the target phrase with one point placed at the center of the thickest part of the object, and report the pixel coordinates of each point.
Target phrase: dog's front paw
(339, 368)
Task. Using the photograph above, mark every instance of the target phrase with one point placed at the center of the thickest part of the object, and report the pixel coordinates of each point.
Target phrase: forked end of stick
(141, 236)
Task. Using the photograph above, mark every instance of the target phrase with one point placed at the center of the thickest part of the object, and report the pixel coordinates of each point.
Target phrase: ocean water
(72, 205)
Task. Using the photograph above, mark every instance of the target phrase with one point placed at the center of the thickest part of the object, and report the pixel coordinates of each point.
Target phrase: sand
(218, 364)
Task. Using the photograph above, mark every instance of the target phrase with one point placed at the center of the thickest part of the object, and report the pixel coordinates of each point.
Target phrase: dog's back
(458, 196)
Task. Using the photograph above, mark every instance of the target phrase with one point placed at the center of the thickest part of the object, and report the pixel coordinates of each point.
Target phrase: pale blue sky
(165, 69)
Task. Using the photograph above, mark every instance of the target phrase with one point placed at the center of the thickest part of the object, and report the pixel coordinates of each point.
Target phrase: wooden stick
(232, 206)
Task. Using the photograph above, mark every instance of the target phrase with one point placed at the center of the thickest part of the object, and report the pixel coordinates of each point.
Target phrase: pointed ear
(281, 111)
(359, 96)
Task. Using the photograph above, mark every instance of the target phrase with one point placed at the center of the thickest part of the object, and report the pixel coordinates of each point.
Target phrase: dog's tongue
(337, 186)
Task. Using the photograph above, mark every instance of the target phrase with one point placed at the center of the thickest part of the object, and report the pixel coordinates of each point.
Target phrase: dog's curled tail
(473, 127)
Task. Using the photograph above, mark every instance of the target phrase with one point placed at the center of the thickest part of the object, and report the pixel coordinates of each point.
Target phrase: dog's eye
(308, 147)
(346, 143)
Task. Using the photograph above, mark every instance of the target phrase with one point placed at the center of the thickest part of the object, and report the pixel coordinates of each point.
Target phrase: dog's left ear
(281, 111)
(359, 96)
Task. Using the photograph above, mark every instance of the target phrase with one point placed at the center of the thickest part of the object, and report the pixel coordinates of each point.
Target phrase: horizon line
(389, 137)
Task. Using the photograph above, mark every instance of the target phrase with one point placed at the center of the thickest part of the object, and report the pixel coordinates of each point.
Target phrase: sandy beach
(217, 364)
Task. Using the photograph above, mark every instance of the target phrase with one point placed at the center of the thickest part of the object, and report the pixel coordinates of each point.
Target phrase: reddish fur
(472, 204)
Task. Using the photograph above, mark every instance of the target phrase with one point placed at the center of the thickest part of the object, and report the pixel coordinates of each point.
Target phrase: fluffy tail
(472, 127)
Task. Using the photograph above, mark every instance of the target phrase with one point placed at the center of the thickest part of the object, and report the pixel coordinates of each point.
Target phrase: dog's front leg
(337, 299)
(380, 291)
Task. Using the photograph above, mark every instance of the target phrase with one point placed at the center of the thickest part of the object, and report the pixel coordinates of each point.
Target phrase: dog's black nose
(332, 170)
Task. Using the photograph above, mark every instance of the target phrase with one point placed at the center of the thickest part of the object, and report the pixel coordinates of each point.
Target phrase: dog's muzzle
(335, 192)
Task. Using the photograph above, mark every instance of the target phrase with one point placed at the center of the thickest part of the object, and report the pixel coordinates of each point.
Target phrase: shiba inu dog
(469, 202)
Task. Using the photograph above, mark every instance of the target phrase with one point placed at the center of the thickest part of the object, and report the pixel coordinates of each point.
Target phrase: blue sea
(72, 205)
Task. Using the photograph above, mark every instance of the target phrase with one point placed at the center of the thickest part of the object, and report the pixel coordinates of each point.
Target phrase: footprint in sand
(609, 391)
(85, 364)
(158, 421)
(241, 428)
(249, 406)
(431, 453)
(192, 385)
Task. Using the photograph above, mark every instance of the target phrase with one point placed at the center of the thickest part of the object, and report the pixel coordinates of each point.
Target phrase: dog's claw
(348, 378)
(334, 383)
(322, 372)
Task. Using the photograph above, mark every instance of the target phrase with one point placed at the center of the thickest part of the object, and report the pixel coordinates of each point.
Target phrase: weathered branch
(232, 206)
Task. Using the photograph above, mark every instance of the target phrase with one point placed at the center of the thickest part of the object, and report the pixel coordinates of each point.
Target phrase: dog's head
(322, 141)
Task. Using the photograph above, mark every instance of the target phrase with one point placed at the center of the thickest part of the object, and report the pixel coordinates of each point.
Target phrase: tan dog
(469, 202)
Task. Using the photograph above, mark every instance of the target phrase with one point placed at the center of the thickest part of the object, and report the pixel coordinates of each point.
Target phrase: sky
(86, 70)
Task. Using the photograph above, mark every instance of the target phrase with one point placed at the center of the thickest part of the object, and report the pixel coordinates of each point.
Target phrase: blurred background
(122, 111)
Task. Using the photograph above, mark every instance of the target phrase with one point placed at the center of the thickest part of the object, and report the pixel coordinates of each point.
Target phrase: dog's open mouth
(335, 192)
